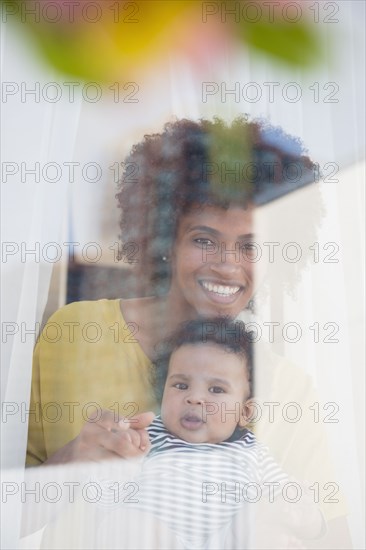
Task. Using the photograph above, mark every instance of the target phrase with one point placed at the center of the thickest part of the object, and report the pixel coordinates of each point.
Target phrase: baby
(204, 466)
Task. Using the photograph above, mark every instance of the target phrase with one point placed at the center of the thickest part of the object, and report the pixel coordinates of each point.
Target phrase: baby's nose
(195, 400)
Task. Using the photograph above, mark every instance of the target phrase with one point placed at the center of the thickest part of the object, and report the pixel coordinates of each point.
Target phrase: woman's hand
(304, 518)
(105, 437)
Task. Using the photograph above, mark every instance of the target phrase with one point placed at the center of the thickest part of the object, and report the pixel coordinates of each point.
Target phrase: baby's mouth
(191, 421)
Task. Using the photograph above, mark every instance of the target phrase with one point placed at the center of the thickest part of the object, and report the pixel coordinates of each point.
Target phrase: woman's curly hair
(206, 163)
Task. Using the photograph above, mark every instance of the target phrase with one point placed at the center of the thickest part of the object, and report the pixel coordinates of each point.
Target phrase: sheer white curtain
(102, 132)
(319, 329)
(38, 138)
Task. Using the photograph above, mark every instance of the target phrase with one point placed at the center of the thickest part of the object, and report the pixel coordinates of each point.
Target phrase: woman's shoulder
(273, 370)
(127, 309)
(88, 311)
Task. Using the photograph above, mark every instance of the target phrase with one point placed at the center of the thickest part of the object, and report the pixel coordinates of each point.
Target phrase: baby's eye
(216, 389)
(180, 386)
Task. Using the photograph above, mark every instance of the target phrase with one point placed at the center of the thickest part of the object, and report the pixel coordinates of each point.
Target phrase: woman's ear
(247, 411)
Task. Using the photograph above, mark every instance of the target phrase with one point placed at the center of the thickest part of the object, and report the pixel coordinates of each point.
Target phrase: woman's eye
(216, 389)
(249, 249)
(180, 386)
(204, 242)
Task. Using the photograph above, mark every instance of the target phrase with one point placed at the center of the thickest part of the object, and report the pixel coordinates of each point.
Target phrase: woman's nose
(227, 262)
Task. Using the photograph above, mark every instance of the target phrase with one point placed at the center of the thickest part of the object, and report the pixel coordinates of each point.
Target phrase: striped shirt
(197, 488)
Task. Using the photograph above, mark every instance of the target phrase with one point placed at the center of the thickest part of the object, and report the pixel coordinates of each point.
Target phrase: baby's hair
(221, 331)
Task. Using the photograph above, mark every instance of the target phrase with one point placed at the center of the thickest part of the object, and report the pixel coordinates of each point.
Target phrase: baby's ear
(247, 411)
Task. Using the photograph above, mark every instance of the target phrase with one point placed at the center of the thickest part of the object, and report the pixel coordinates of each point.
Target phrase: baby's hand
(133, 437)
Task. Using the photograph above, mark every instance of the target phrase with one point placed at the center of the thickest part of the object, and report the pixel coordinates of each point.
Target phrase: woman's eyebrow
(247, 236)
(205, 228)
(208, 229)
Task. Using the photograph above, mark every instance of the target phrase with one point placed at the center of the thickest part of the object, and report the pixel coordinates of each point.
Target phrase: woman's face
(212, 260)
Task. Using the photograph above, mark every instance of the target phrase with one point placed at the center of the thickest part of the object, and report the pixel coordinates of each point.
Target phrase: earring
(164, 258)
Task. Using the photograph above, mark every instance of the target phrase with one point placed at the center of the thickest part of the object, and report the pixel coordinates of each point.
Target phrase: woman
(174, 183)
(188, 201)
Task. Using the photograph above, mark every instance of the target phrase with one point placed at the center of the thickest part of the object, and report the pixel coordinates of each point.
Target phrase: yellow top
(88, 357)
(85, 357)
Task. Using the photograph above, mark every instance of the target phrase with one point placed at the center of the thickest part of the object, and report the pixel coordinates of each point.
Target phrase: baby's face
(205, 393)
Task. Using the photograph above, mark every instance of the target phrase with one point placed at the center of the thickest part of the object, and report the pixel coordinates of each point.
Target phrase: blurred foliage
(109, 40)
(293, 43)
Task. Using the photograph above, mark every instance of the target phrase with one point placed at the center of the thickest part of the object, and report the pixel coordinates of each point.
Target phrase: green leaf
(296, 44)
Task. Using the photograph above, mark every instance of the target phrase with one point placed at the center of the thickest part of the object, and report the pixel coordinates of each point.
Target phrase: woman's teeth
(220, 289)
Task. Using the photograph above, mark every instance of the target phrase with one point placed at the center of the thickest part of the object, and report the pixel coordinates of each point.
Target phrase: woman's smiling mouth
(221, 292)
